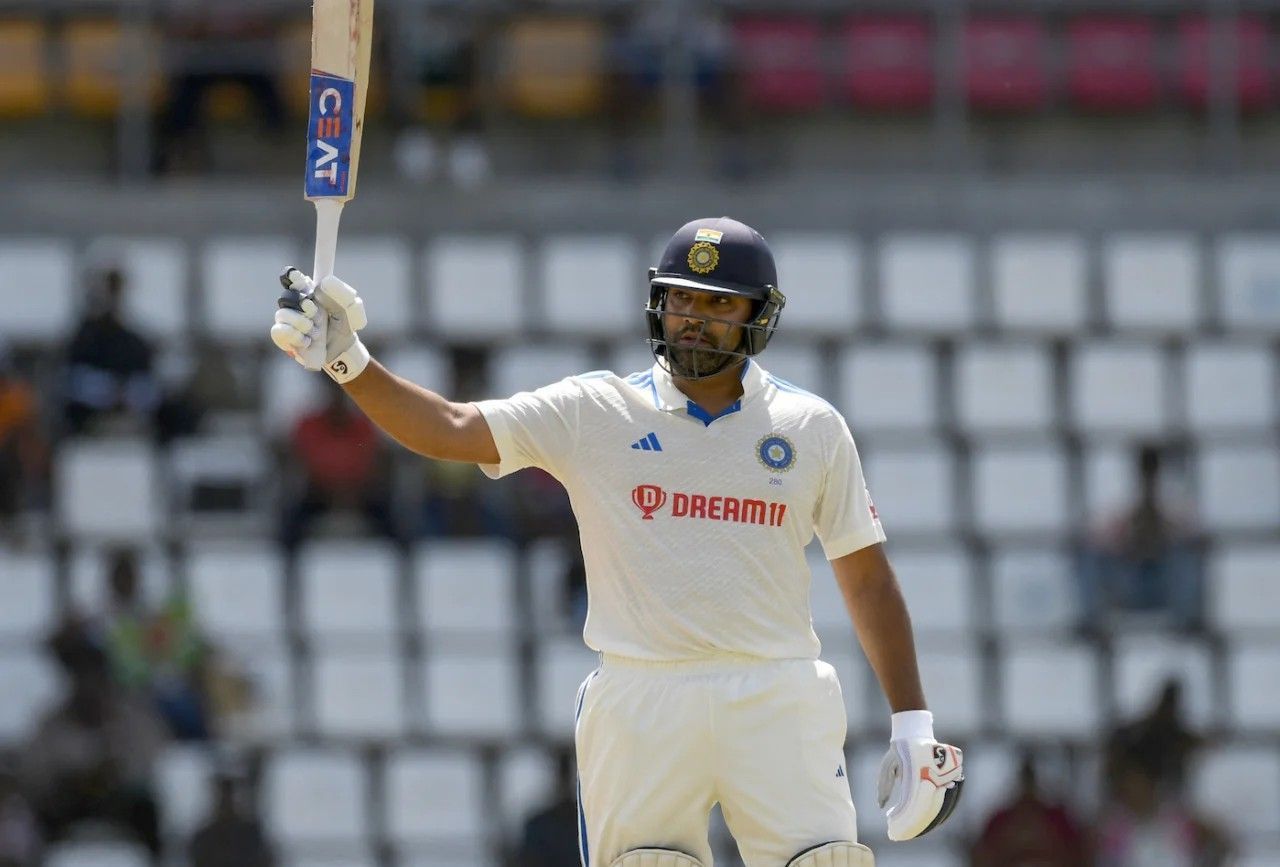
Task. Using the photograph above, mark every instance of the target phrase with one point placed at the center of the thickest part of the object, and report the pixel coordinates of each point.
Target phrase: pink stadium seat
(890, 63)
(781, 62)
(1111, 63)
(1250, 54)
(1005, 64)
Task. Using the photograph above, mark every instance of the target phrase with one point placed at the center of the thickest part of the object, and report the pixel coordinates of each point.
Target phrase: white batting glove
(331, 313)
(920, 779)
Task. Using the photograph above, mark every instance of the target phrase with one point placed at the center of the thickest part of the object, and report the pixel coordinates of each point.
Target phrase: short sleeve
(846, 519)
(534, 428)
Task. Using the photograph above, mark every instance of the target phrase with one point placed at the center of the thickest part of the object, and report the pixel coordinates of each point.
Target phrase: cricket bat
(341, 37)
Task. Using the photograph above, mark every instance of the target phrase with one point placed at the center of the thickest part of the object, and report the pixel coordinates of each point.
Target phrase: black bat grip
(290, 298)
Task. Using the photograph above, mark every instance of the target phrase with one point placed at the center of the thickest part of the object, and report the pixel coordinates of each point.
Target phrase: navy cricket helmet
(718, 255)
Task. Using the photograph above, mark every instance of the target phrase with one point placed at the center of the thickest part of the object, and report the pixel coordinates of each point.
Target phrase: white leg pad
(835, 855)
(655, 858)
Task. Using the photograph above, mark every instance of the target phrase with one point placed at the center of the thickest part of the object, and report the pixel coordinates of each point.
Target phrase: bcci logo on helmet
(648, 499)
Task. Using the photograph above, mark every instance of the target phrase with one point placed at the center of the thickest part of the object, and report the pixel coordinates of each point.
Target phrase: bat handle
(328, 213)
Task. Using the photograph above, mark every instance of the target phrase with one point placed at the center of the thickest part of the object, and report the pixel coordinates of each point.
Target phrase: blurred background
(1031, 249)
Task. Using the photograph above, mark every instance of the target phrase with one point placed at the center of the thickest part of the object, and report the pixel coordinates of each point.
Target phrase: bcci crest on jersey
(776, 452)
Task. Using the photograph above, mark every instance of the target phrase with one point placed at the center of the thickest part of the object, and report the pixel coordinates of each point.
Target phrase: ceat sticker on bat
(329, 143)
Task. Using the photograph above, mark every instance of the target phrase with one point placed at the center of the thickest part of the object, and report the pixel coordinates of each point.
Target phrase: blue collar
(707, 418)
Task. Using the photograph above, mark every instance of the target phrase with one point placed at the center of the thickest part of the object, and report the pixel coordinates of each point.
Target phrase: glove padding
(331, 312)
(919, 785)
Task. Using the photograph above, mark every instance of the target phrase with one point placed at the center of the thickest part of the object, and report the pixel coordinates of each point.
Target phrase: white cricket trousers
(659, 744)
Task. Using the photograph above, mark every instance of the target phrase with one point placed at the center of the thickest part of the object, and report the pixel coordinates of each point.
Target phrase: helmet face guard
(702, 361)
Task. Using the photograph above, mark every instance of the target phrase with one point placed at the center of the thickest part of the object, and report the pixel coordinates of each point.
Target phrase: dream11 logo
(648, 499)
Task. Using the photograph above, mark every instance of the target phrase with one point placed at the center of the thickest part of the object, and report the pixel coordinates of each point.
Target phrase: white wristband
(912, 725)
(350, 364)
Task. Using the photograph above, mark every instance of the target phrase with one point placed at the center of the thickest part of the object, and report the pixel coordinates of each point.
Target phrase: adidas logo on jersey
(839, 772)
(648, 443)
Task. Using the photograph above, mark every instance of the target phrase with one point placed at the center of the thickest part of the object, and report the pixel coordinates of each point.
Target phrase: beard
(699, 361)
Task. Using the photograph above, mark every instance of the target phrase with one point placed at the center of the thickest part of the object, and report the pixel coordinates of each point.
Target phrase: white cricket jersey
(693, 529)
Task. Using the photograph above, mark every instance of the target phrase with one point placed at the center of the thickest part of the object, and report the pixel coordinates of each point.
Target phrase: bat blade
(341, 37)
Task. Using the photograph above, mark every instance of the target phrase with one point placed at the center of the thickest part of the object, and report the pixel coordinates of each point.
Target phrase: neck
(714, 393)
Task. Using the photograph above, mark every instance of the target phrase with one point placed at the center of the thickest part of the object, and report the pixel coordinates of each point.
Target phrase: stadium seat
(473, 694)
(1110, 480)
(938, 583)
(1004, 59)
(1038, 283)
(271, 709)
(1033, 591)
(236, 268)
(382, 271)
(49, 315)
(589, 286)
(1248, 404)
(1255, 705)
(927, 282)
(183, 775)
(991, 773)
(316, 797)
(913, 487)
(474, 286)
(357, 857)
(1245, 776)
(1152, 282)
(358, 695)
(526, 782)
(563, 664)
(426, 366)
(889, 386)
(288, 392)
(780, 62)
(25, 79)
(927, 853)
(157, 275)
(466, 587)
(28, 606)
(31, 682)
(797, 364)
(1019, 490)
(1243, 594)
(108, 489)
(1250, 51)
(434, 797)
(235, 466)
(96, 854)
(1111, 63)
(630, 356)
(1248, 278)
(1142, 663)
(1238, 486)
(1118, 388)
(1072, 708)
(1262, 856)
(88, 575)
(530, 366)
(237, 590)
(350, 590)
(1003, 388)
(821, 275)
(553, 68)
(105, 60)
(951, 673)
(888, 63)
(546, 561)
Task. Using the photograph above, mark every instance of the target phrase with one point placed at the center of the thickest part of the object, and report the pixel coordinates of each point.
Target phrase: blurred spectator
(1031, 830)
(550, 837)
(1144, 560)
(1160, 743)
(110, 366)
(24, 453)
(1144, 825)
(20, 841)
(90, 759)
(232, 836)
(344, 466)
(155, 652)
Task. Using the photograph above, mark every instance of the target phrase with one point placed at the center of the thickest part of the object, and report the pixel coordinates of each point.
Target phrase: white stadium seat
(796, 364)
(434, 796)
(273, 706)
(563, 664)
(1004, 387)
(1118, 388)
(1152, 281)
(158, 281)
(316, 797)
(526, 782)
(422, 365)
(237, 590)
(547, 560)
(39, 298)
(913, 487)
(1249, 401)
(1239, 783)
(357, 857)
(1142, 663)
(88, 575)
(821, 275)
(96, 854)
(466, 587)
(381, 270)
(358, 694)
(631, 356)
(108, 489)
(288, 392)
(30, 682)
(1033, 591)
(938, 585)
(591, 286)
(230, 461)
(473, 286)
(1243, 593)
(951, 674)
(236, 269)
(1050, 690)
(890, 386)
(991, 775)
(1039, 283)
(183, 777)
(1255, 705)
(1110, 479)
(473, 694)
(1238, 486)
(1019, 489)
(28, 607)
(531, 366)
(349, 589)
(1248, 278)
(927, 282)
